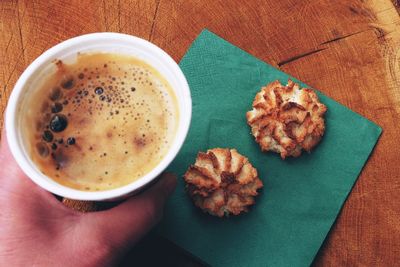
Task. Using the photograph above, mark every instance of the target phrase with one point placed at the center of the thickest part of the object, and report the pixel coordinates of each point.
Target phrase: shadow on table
(154, 250)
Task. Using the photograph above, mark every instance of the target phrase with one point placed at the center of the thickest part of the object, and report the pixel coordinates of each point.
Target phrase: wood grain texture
(347, 49)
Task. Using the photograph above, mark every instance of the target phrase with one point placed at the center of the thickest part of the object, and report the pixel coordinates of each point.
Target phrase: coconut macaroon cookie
(287, 119)
(222, 182)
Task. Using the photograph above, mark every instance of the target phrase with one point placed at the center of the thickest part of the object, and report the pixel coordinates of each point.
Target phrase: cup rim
(13, 135)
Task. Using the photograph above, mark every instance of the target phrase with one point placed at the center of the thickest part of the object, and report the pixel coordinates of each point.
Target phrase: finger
(129, 221)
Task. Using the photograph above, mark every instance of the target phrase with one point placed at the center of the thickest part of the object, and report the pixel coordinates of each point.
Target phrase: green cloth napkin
(301, 196)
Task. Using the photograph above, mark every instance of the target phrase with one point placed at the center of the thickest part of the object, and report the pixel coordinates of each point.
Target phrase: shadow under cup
(43, 67)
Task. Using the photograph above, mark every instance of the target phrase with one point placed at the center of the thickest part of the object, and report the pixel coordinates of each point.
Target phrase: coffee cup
(68, 51)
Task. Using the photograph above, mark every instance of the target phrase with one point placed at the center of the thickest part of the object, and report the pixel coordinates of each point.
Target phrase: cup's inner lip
(14, 135)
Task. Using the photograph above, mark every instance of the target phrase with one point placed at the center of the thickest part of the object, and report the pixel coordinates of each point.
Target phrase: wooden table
(349, 49)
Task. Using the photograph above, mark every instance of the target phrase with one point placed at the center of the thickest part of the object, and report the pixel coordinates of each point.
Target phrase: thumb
(129, 221)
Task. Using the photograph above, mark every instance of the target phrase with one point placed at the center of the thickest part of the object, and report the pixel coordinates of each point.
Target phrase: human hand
(38, 230)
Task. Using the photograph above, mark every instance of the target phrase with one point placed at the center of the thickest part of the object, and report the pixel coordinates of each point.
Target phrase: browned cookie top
(222, 182)
(287, 119)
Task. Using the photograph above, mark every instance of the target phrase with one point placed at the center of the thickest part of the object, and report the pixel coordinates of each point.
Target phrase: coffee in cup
(100, 122)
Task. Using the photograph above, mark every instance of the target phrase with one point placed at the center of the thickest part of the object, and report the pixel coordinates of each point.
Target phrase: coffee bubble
(42, 149)
(55, 94)
(56, 107)
(58, 123)
(67, 83)
(99, 90)
(71, 141)
(47, 136)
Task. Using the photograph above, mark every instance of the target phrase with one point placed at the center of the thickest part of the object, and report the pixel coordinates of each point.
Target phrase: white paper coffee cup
(66, 51)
